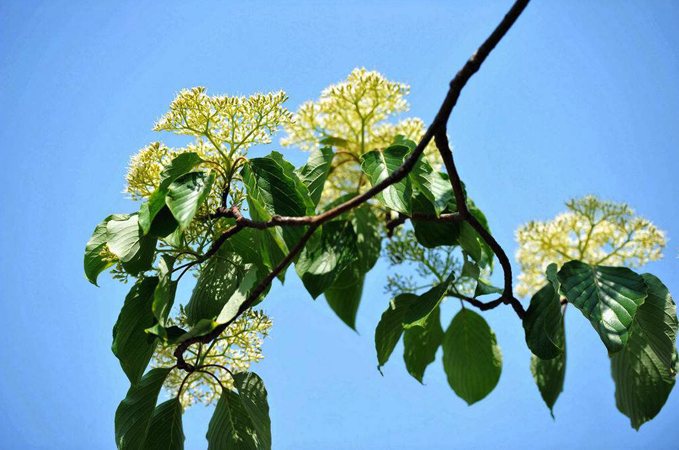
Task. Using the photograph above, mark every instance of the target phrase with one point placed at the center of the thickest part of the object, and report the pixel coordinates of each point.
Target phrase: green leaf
(483, 287)
(432, 185)
(378, 165)
(163, 297)
(95, 263)
(203, 327)
(607, 296)
(471, 357)
(126, 240)
(470, 270)
(233, 304)
(368, 237)
(390, 327)
(166, 432)
(186, 194)
(421, 344)
(231, 426)
(344, 295)
(549, 374)
(426, 304)
(657, 318)
(253, 396)
(319, 268)
(642, 380)
(179, 166)
(290, 171)
(272, 192)
(314, 173)
(433, 234)
(219, 279)
(133, 416)
(543, 322)
(131, 344)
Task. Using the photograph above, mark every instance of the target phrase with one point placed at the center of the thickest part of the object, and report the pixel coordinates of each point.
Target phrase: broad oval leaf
(131, 344)
(163, 297)
(253, 396)
(320, 267)
(433, 234)
(608, 296)
(126, 240)
(390, 327)
(543, 322)
(642, 381)
(186, 194)
(471, 357)
(219, 279)
(344, 295)
(368, 237)
(133, 416)
(657, 318)
(549, 375)
(314, 173)
(426, 303)
(180, 165)
(420, 345)
(166, 431)
(436, 188)
(231, 426)
(378, 165)
(95, 263)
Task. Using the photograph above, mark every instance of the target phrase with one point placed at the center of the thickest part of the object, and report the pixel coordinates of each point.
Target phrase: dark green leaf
(319, 268)
(549, 374)
(368, 237)
(203, 327)
(314, 173)
(378, 165)
(253, 396)
(433, 234)
(179, 166)
(271, 192)
(233, 304)
(131, 344)
(127, 241)
(607, 296)
(390, 327)
(231, 426)
(163, 298)
(218, 281)
(642, 380)
(344, 295)
(657, 318)
(186, 194)
(95, 263)
(543, 322)
(290, 171)
(426, 303)
(133, 416)
(166, 432)
(421, 343)
(471, 357)
(432, 185)
(485, 288)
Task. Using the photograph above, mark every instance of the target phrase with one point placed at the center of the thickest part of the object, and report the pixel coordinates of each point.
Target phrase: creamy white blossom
(593, 231)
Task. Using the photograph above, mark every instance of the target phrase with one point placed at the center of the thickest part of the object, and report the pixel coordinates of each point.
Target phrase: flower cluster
(593, 231)
(351, 115)
(236, 349)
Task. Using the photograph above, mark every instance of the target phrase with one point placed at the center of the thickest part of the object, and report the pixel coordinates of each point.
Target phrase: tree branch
(438, 129)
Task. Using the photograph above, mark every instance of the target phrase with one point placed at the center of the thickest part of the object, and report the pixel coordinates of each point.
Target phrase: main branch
(438, 129)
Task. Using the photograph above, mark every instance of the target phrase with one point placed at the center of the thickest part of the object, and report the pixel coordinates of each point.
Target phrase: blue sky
(581, 97)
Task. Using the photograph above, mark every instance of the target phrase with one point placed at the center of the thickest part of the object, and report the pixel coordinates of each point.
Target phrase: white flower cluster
(236, 349)
(593, 231)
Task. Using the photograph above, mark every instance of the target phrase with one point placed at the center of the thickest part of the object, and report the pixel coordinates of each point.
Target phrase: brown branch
(437, 128)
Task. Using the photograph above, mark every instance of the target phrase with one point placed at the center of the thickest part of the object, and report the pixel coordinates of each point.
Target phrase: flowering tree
(237, 223)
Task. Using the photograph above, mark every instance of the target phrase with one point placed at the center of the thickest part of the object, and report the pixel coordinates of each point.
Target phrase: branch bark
(438, 129)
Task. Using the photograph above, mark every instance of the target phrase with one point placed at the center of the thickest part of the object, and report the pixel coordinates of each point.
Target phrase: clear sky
(581, 97)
